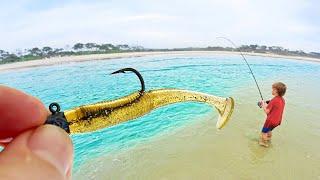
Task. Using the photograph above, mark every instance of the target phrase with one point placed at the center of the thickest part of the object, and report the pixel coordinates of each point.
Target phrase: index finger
(19, 112)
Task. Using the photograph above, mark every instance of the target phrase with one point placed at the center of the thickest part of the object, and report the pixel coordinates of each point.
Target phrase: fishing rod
(244, 58)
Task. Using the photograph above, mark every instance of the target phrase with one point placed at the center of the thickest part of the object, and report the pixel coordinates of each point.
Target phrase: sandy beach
(81, 58)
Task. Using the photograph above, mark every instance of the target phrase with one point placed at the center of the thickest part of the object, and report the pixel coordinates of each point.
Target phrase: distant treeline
(93, 48)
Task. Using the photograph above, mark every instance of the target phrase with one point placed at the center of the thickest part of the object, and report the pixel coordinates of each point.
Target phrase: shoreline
(93, 57)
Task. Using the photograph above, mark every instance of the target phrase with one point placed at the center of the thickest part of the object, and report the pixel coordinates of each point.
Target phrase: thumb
(42, 153)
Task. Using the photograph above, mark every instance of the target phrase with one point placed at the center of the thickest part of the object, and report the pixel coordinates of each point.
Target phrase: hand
(31, 150)
(264, 104)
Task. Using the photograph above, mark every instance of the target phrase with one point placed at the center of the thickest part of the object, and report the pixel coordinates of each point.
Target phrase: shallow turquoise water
(86, 82)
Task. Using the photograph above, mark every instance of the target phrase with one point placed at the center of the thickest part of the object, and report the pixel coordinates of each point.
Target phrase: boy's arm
(266, 107)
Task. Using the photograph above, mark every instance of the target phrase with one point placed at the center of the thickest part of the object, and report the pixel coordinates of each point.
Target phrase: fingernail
(7, 140)
(53, 145)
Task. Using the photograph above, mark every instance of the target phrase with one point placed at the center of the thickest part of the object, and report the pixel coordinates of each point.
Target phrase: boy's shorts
(267, 129)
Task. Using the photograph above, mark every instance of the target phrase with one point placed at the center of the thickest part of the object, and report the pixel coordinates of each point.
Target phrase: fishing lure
(92, 117)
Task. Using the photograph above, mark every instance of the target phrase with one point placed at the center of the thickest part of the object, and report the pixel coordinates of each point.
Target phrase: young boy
(274, 111)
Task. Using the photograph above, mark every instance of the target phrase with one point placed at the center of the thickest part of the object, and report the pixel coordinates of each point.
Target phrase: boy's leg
(264, 136)
(269, 135)
(264, 139)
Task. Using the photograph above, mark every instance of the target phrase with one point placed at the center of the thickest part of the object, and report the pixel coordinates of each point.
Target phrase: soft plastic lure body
(99, 115)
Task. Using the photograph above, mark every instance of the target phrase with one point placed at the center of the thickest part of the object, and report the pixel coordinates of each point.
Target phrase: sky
(293, 24)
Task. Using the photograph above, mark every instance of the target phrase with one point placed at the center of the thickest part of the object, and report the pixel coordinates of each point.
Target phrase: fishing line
(244, 58)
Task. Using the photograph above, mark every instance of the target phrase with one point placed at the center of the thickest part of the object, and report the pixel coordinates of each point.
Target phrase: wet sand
(69, 59)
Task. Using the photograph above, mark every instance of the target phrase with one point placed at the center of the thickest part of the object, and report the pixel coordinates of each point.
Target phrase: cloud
(159, 24)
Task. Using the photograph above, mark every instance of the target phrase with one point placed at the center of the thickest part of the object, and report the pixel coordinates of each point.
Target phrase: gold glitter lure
(88, 118)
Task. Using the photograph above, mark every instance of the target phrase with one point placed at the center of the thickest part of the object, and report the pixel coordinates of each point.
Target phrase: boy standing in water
(274, 110)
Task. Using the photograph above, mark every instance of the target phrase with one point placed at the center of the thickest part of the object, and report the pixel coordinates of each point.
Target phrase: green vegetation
(93, 48)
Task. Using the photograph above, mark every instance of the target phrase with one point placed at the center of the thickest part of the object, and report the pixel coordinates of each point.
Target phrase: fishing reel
(260, 104)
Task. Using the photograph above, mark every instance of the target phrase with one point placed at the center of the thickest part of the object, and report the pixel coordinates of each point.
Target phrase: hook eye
(54, 108)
